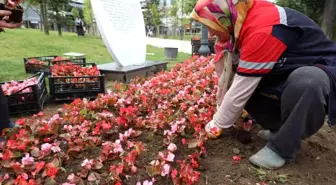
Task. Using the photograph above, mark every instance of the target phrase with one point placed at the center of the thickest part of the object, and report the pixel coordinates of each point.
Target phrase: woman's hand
(4, 24)
(213, 132)
(4, 13)
(6, 18)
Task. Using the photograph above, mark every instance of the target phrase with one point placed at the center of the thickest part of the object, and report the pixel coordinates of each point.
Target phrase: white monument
(122, 28)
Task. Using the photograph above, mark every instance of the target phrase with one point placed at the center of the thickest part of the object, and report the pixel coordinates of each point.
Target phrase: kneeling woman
(284, 75)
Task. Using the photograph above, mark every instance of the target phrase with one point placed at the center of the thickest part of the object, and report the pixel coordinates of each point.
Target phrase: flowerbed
(104, 141)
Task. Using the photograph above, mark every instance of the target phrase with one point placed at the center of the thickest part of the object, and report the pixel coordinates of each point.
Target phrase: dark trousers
(4, 112)
(298, 113)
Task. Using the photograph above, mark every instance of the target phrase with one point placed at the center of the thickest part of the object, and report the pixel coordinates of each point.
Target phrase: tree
(155, 16)
(75, 12)
(188, 6)
(173, 12)
(323, 12)
(43, 12)
(32, 5)
(88, 14)
(329, 18)
(59, 13)
(311, 8)
(152, 14)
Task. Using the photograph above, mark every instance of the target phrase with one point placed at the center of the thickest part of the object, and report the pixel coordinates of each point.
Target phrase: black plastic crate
(71, 87)
(46, 63)
(28, 102)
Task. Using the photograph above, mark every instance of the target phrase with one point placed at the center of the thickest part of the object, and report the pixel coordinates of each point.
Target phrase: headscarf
(225, 19)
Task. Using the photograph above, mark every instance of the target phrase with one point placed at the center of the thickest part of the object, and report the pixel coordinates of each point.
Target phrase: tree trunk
(45, 17)
(41, 16)
(59, 28)
(328, 17)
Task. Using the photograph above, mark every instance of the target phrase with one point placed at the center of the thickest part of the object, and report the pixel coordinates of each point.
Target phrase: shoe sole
(261, 166)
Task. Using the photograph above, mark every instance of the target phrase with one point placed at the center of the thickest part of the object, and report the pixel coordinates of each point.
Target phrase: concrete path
(182, 45)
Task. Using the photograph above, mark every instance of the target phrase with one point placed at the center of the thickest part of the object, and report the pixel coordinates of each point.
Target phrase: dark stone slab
(114, 72)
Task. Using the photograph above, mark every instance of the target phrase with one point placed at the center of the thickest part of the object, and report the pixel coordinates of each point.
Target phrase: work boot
(266, 158)
(11, 125)
(264, 134)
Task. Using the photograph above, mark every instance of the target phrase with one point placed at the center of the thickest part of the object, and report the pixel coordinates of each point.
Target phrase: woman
(279, 65)
(4, 113)
(79, 26)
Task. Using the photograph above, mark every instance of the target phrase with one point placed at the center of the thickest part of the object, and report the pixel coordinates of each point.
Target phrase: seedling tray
(47, 63)
(28, 102)
(68, 88)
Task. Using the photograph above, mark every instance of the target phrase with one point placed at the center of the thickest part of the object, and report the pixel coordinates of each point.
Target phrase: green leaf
(17, 154)
(56, 163)
(93, 177)
(153, 170)
(35, 152)
(11, 182)
(50, 181)
(83, 112)
(98, 165)
(192, 143)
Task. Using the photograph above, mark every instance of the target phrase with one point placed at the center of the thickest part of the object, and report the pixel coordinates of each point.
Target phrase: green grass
(21, 43)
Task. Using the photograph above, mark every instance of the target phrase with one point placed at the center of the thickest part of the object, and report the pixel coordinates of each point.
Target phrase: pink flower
(172, 147)
(67, 128)
(87, 163)
(170, 157)
(165, 170)
(6, 176)
(134, 169)
(130, 144)
(161, 154)
(174, 128)
(68, 184)
(117, 147)
(46, 147)
(122, 137)
(27, 160)
(146, 182)
(56, 149)
(71, 178)
(25, 176)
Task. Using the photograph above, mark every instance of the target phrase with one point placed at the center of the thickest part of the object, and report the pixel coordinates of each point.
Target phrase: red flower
(121, 121)
(236, 158)
(21, 121)
(184, 141)
(52, 171)
(7, 155)
(38, 167)
(174, 174)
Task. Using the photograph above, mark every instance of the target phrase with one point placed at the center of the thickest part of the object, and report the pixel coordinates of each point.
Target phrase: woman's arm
(235, 99)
